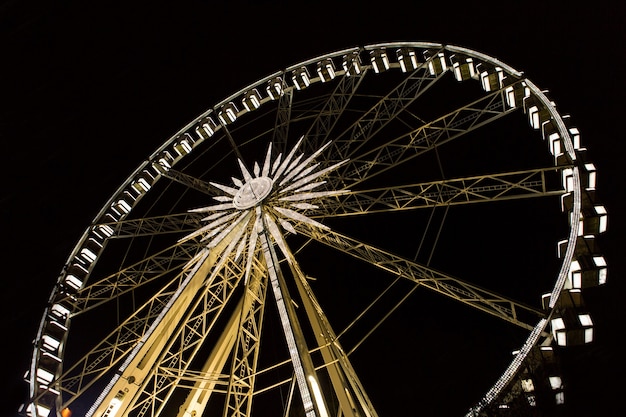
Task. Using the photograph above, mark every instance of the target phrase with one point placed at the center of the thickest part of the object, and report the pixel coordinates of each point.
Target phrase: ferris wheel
(333, 240)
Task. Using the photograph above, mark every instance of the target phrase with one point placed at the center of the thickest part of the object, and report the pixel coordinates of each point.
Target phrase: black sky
(89, 89)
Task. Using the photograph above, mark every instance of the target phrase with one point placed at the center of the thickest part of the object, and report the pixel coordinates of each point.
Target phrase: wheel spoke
(497, 305)
(131, 278)
(477, 189)
(383, 112)
(423, 139)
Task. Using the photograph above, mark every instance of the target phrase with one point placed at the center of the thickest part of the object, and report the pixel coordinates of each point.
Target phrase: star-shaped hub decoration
(275, 194)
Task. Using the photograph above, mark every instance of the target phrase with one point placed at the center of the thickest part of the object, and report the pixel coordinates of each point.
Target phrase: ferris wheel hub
(253, 192)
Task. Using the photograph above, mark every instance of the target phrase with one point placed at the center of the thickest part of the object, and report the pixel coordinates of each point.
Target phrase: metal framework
(202, 286)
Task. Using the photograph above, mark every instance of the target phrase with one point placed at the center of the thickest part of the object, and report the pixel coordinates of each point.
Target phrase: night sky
(89, 89)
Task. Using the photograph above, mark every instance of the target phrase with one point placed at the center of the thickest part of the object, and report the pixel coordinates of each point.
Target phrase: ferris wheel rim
(540, 327)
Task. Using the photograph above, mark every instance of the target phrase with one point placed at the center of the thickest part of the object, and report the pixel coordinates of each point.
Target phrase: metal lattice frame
(189, 280)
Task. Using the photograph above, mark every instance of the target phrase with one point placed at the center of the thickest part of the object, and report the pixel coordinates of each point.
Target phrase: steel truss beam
(477, 189)
(182, 345)
(388, 108)
(421, 140)
(454, 288)
(155, 266)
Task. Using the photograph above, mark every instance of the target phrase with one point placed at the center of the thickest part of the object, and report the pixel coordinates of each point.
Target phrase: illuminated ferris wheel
(328, 241)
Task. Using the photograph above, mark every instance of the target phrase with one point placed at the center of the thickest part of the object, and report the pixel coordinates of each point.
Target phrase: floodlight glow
(575, 136)
(555, 144)
(380, 61)
(130, 196)
(527, 385)
(317, 395)
(599, 261)
(251, 100)
(576, 279)
(60, 311)
(558, 325)
(58, 326)
(228, 114)
(50, 343)
(104, 230)
(73, 282)
(437, 65)
(602, 274)
(602, 217)
(555, 382)
(585, 319)
(568, 180)
(44, 376)
(141, 186)
(407, 59)
(533, 117)
(50, 357)
(88, 254)
(114, 405)
(559, 397)
(164, 161)
(182, 147)
(351, 64)
(515, 95)
(207, 129)
(275, 88)
(121, 207)
(42, 410)
(492, 80)
(510, 96)
(457, 71)
(326, 70)
(591, 171)
(464, 69)
(300, 78)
